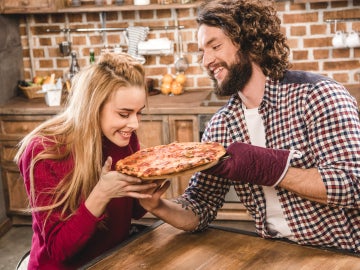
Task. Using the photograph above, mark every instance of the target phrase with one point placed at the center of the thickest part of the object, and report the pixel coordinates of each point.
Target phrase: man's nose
(208, 58)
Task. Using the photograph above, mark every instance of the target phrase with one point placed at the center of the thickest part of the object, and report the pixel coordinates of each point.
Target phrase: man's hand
(253, 164)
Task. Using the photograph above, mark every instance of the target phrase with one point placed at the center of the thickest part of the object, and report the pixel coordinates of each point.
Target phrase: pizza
(163, 161)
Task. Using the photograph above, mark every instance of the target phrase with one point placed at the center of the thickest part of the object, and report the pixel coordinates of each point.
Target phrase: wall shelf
(342, 20)
(112, 8)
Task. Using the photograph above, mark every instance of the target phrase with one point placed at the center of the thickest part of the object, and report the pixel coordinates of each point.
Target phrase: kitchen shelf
(315, 1)
(112, 8)
(342, 20)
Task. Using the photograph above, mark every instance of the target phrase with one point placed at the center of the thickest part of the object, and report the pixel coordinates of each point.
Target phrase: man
(293, 137)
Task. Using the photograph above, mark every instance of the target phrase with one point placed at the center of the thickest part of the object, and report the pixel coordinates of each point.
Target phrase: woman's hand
(154, 201)
(113, 184)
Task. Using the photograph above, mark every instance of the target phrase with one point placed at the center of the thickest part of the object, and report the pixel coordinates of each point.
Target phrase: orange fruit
(176, 88)
(180, 78)
(167, 78)
(165, 88)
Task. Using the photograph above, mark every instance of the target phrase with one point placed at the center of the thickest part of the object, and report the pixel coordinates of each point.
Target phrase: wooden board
(188, 99)
(168, 248)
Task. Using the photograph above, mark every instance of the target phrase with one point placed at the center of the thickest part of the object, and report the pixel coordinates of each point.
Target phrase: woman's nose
(134, 122)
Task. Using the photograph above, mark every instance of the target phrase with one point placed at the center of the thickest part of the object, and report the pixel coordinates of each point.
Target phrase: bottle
(92, 56)
(74, 67)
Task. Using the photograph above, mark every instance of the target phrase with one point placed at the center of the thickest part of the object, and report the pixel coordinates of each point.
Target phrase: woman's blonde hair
(76, 132)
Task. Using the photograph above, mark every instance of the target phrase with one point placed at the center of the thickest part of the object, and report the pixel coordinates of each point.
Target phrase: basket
(30, 91)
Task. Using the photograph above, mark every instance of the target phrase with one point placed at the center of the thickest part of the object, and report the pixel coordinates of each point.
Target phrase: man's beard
(238, 76)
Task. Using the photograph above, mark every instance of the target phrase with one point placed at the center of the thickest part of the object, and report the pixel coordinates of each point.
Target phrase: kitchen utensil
(339, 40)
(353, 39)
(181, 64)
(65, 48)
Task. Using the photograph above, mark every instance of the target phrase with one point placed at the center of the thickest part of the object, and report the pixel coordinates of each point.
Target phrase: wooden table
(164, 247)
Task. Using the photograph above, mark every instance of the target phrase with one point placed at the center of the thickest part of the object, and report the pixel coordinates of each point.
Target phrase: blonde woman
(80, 205)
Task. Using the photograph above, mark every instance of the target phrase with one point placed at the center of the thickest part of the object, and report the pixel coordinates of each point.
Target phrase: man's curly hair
(255, 27)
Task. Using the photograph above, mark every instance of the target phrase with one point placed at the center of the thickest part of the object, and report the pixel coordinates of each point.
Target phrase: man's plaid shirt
(316, 116)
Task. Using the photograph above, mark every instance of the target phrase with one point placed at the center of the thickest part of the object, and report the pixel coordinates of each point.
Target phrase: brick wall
(305, 25)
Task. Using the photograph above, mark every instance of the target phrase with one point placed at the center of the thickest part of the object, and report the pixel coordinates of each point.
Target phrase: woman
(79, 208)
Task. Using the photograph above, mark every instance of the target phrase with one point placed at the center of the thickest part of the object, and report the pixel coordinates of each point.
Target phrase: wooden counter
(164, 247)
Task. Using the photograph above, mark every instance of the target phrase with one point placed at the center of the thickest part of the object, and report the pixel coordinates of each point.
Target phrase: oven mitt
(253, 164)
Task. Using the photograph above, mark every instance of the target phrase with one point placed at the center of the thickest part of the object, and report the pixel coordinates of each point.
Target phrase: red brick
(322, 5)
(45, 41)
(341, 65)
(113, 38)
(338, 4)
(342, 13)
(318, 29)
(78, 40)
(75, 17)
(96, 40)
(38, 53)
(321, 53)
(297, 6)
(341, 77)
(63, 63)
(298, 31)
(128, 15)
(300, 18)
(300, 55)
(54, 52)
(341, 53)
(309, 66)
(46, 63)
(317, 42)
(93, 17)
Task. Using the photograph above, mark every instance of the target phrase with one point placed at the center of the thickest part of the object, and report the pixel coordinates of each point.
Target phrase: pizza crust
(165, 161)
(188, 171)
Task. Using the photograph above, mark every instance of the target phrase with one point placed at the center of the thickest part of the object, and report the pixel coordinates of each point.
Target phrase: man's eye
(216, 47)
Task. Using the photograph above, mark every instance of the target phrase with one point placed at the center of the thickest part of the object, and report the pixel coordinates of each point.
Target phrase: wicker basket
(30, 91)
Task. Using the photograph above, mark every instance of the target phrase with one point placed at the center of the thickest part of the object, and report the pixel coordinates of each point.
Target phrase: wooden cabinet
(12, 129)
(30, 6)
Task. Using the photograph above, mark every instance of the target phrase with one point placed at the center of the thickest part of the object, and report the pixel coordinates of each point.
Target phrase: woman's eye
(124, 115)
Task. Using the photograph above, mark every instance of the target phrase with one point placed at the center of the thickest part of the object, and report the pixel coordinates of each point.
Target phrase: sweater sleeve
(61, 238)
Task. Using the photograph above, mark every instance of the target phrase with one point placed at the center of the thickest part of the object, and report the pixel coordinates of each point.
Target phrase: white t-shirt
(275, 219)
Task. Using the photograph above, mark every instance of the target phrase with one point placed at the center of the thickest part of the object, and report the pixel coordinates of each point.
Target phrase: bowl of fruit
(32, 89)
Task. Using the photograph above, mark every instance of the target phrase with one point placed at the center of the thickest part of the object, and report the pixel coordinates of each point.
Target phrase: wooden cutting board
(168, 248)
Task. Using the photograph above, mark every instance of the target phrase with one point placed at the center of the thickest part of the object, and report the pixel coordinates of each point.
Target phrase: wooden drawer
(19, 125)
(15, 193)
(26, 6)
(8, 151)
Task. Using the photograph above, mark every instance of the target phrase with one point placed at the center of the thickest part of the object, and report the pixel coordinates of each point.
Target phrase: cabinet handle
(25, 2)
(25, 128)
